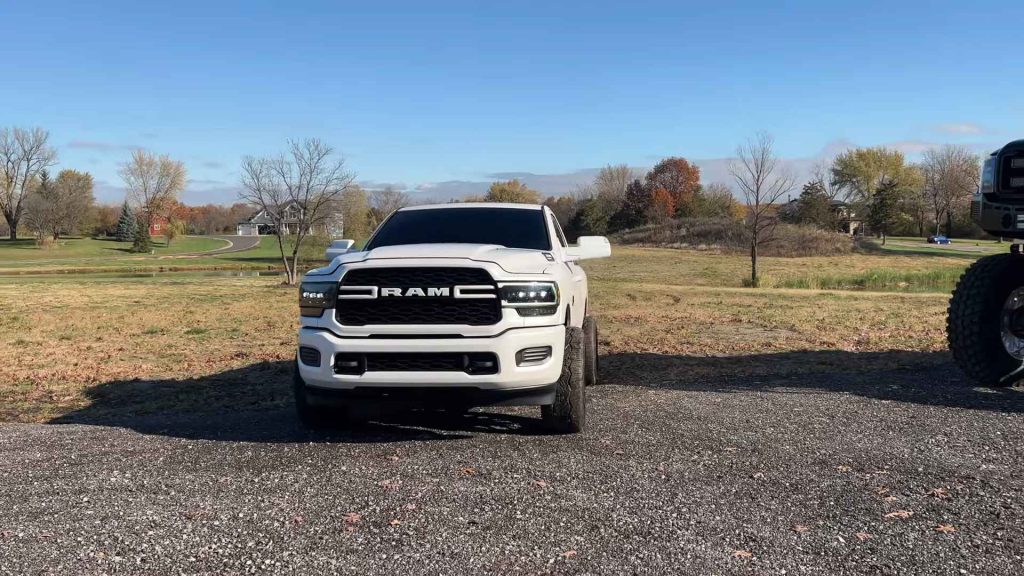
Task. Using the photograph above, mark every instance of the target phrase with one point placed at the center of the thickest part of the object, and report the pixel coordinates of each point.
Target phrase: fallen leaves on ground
(468, 471)
(801, 529)
(862, 536)
(940, 493)
(540, 483)
(742, 554)
(568, 554)
(901, 514)
(351, 519)
(843, 468)
(945, 528)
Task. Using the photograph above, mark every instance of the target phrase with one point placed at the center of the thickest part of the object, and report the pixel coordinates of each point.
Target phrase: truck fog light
(309, 356)
(350, 364)
(531, 356)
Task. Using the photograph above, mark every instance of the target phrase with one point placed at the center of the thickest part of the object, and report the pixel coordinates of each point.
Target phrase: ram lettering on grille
(383, 296)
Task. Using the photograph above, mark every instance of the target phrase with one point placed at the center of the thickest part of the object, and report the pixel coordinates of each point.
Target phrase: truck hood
(512, 260)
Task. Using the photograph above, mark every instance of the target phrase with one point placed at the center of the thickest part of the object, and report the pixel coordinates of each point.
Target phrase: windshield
(508, 227)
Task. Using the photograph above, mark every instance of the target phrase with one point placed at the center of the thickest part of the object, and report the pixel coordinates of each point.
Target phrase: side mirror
(339, 247)
(589, 247)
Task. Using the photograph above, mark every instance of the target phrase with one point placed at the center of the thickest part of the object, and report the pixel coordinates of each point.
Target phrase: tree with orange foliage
(682, 181)
(662, 207)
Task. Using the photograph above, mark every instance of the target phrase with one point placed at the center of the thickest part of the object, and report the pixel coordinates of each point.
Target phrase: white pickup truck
(451, 306)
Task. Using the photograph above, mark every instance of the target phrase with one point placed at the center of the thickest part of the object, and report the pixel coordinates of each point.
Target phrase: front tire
(310, 416)
(590, 350)
(568, 414)
(984, 326)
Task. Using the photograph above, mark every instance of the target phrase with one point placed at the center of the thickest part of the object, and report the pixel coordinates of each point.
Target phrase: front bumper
(509, 378)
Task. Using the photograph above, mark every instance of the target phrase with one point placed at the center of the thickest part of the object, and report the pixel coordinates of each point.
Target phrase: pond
(176, 274)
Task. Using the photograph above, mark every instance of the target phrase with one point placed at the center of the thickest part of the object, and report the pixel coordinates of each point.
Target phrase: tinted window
(509, 227)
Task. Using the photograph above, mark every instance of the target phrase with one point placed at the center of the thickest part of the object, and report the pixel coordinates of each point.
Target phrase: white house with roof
(291, 216)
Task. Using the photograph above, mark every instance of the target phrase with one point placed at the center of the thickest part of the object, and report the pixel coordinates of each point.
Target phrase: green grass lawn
(25, 251)
(85, 255)
(960, 247)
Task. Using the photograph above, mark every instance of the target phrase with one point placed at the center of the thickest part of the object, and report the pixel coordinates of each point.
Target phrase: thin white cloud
(961, 128)
(101, 146)
(912, 147)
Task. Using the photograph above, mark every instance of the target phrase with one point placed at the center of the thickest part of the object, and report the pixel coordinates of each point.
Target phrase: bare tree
(762, 181)
(303, 186)
(153, 182)
(951, 175)
(384, 201)
(24, 154)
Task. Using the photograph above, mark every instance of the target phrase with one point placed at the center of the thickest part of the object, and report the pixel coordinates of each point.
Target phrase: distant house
(261, 223)
(157, 225)
(849, 222)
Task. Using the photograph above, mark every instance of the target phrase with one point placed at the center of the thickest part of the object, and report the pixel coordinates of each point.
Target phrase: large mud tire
(975, 321)
(568, 414)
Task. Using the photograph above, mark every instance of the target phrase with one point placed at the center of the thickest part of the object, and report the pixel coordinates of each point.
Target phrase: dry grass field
(174, 343)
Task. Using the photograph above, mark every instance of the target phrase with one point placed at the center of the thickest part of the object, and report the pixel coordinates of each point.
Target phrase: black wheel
(569, 411)
(986, 320)
(311, 416)
(590, 350)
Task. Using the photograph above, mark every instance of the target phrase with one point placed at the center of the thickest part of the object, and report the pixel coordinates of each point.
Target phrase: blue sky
(442, 97)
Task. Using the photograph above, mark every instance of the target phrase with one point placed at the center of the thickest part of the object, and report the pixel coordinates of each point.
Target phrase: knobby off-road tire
(590, 350)
(569, 412)
(310, 416)
(974, 322)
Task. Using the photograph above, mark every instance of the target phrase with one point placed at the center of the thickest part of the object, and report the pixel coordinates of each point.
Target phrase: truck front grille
(470, 363)
(406, 310)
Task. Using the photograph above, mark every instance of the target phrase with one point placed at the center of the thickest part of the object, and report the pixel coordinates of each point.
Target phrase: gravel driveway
(864, 472)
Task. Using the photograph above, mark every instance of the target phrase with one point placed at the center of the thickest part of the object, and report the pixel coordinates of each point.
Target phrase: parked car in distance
(938, 240)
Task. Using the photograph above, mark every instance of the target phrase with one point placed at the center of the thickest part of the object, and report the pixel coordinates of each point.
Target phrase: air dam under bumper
(512, 384)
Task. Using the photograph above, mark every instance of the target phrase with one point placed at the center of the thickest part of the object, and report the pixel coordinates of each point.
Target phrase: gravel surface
(813, 474)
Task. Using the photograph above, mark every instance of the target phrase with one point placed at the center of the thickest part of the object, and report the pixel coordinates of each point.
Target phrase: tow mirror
(589, 247)
(339, 247)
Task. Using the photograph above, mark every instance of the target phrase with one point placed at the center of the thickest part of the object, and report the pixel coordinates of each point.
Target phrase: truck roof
(475, 205)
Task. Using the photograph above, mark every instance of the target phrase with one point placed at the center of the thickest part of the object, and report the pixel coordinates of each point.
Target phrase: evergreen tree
(126, 225)
(815, 207)
(142, 241)
(883, 210)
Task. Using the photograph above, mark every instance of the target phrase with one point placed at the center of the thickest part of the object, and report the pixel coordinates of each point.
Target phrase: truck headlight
(530, 298)
(315, 297)
(988, 177)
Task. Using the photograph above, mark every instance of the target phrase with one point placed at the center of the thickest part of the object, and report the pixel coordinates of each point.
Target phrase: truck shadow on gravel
(254, 403)
(927, 378)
